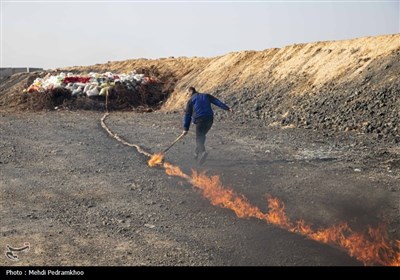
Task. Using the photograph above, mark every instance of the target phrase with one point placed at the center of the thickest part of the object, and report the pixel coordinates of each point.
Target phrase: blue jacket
(199, 106)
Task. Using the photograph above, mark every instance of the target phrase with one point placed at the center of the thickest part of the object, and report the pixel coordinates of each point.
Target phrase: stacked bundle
(88, 91)
(92, 84)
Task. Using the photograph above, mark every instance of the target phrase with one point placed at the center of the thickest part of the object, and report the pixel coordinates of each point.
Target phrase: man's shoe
(196, 156)
(203, 157)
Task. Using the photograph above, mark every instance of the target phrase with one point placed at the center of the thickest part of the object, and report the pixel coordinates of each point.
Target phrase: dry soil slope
(340, 85)
(304, 67)
(337, 85)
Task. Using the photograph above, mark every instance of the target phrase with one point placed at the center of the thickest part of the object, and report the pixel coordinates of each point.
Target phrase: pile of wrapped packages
(92, 84)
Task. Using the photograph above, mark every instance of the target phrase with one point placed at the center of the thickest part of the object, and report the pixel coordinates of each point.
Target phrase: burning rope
(373, 247)
(370, 248)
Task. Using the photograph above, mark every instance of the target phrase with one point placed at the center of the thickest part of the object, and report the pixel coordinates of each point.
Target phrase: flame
(224, 197)
(156, 159)
(372, 247)
(173, 170)
(277, 214)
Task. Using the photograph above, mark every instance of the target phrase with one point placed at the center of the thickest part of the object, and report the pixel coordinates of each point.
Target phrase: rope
(116, 137)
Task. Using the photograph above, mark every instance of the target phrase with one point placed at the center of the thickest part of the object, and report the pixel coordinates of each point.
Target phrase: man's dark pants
(203, 125)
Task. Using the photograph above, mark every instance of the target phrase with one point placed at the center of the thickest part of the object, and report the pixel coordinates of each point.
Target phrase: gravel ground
(81, 198)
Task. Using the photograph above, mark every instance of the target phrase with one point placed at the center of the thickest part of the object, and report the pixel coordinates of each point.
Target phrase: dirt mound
(53, 90)
(338, 85)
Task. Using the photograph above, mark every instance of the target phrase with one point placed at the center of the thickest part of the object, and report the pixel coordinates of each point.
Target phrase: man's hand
(185, 132)
(231, 110)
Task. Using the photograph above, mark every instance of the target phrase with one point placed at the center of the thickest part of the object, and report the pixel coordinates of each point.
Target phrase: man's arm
(218, 102)
(188, 115)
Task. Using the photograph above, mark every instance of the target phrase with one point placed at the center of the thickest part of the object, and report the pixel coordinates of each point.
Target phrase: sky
(52, 34)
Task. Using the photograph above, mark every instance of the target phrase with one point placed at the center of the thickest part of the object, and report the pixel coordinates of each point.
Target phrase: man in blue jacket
(198, 109)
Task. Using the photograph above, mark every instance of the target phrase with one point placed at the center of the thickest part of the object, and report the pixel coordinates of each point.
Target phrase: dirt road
(81, 198)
